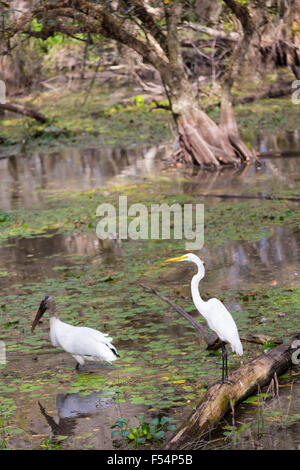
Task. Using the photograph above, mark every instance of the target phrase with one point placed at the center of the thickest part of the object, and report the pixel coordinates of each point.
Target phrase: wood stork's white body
(84, 344)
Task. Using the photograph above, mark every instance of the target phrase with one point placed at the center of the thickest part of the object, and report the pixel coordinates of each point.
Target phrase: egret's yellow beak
(179, 258)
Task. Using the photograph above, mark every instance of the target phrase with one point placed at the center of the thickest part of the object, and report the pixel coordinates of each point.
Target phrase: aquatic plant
(153, 431)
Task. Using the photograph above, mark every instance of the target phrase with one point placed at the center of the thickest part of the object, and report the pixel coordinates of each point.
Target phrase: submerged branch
(211, 339)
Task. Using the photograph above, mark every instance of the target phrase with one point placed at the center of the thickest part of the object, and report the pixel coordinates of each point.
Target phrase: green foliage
(139, 100)
(4, 216)
(257, 399)
(36, 25)
(45, 45)
(53, 442)
(145, 432)
(268, 345)
(233, 432)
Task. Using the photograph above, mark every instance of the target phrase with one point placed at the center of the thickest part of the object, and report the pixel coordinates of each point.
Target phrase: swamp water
(252, 251)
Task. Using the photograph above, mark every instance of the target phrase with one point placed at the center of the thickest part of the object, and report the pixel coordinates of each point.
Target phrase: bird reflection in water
(70, 408)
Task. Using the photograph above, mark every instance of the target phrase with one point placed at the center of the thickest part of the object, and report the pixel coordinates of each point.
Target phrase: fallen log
(276, 90)
(20, 109)
(220, 399)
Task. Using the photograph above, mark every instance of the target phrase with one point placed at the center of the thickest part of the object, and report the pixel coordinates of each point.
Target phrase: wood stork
(215, 313)
(84, 344)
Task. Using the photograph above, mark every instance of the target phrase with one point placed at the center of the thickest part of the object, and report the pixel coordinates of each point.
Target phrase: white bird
(84, 344)
(215, 313)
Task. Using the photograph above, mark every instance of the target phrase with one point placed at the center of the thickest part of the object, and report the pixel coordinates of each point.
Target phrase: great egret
(215, 313)
(84, 344)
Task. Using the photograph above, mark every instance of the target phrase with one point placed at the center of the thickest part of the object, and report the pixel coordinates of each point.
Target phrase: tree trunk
(220, 399)
(201, 141)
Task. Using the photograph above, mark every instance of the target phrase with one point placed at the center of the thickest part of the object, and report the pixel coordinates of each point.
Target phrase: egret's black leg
(224, 367)
(221, 381)
(223, 362)
(77, 366)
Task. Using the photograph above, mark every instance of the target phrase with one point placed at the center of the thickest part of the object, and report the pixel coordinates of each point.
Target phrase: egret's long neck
(199, 303)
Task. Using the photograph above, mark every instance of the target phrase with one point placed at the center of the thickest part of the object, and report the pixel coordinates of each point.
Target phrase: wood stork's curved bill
(42, 309)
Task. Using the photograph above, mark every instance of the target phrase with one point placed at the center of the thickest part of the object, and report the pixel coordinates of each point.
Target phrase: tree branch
(215, 33)
(242, 13)
(90, 18)
(211, 339)
(29, 112)
(148, 22)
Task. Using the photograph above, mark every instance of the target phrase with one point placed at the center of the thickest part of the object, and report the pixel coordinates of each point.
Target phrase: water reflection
(32, 258)
(23, 176)
(274, 259)
(72, 404)
(286, 142)
(74, 169)
(264, 178)
(77, 416)
(271, 260)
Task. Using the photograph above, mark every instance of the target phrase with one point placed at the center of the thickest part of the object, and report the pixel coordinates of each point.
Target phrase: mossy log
(220, 398)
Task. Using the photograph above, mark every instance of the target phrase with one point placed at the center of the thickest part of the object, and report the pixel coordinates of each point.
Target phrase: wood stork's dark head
(48, 303)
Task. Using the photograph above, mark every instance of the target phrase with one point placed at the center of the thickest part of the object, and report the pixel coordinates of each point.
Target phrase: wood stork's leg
(79, 360)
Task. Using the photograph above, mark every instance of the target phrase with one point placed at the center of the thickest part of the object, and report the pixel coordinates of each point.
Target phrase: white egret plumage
(215, 313)
(83, 343)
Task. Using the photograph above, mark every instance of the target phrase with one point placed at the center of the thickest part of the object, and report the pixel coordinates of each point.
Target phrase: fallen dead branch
(219, 399)
(240, 196)
(19, 109)
(211, 339)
